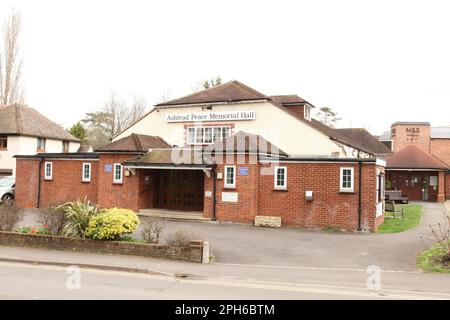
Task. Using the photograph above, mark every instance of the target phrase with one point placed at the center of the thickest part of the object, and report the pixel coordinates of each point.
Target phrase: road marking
(278, 286)
(309, 268)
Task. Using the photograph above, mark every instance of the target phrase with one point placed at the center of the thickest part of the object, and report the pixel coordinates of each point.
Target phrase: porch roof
(170, 158)
(412, 157)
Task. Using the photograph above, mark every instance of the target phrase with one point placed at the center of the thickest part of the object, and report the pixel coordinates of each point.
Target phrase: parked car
(7, 186)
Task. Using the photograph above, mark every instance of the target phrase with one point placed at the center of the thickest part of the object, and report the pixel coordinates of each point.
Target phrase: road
(26, 281)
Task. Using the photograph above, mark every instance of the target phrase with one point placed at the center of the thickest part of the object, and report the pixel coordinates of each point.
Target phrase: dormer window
(307, 112)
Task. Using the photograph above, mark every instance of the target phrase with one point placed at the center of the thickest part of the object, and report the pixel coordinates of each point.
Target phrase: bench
(391, 206)
(396, 196)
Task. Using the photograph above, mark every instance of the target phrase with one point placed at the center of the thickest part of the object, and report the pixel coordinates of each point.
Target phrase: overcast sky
(374, 62)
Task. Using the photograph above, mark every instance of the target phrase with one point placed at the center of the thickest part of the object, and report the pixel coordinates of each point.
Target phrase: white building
(24, 131)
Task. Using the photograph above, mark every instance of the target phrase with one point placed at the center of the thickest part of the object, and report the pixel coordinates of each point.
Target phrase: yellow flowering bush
(110, 224)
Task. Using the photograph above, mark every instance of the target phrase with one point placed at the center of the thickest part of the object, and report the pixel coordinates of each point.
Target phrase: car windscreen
(6, 182)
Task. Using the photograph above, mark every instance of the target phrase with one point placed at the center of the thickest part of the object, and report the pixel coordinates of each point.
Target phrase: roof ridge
(195, 93)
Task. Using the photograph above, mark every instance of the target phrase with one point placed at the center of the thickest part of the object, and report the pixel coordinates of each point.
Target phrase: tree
(78, 131)
(11, 90)
(115, 115)
(212, 83)
(327, 116)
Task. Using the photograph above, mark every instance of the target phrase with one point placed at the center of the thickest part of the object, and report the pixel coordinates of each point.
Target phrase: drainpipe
(360, 195)
(38, 202)
(213, 172)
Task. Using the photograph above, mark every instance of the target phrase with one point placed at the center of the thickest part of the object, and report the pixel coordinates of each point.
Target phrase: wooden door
(179, 190)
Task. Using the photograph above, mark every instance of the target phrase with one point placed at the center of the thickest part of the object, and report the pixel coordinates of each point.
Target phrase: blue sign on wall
(243, 171)
(108, 168)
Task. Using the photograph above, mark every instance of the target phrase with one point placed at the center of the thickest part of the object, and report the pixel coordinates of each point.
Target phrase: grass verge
(431, 260)
(413, 216)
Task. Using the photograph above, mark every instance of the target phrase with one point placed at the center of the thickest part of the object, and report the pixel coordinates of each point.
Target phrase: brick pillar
(441, 187)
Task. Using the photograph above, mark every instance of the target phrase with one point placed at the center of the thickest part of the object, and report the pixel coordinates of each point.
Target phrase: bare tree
(115, 115)
(11, 90)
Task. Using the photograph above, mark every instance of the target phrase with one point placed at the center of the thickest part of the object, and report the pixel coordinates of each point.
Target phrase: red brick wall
(247, 187)
(123, 195)
(26, 183)
(299, 110)
(330, 208)
(440, 148)
(406, 134)
(66, 183)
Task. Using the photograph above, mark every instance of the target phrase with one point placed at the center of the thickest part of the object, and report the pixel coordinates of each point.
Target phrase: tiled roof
(246, 143)
(134, 143)
(20, 119)
(411, 157)
(170, 157)
(232, 91)
(290, 99)
(235, 91)
(363, 138)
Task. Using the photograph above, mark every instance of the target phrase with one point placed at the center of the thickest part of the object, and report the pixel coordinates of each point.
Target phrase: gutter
(214, 218)
(38, 202)
(360, 196)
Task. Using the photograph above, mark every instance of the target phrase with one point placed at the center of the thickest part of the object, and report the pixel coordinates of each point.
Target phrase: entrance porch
(416, 185)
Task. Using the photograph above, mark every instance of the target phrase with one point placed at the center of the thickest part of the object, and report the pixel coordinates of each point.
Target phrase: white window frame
(275, 178)
(212, 128)
(118, 181)
(48, 176)
(307, 112)
(225, 182)
(352, 177)
(189, 141)
(83, 178)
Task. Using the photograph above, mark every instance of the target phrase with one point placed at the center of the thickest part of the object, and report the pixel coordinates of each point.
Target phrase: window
(230, 176)
(346, 180)
(191, 135)
(280, 178)
(377, 191)
(48, 170)
(40, 144)
(3, 142)
(118, 171)
(199, 135)
(86, 174)
(207, 135)
(307, 112)
(65, 146)
(380, 188)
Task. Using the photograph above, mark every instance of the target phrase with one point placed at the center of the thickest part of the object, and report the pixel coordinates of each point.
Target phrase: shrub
(78, 214)
(441, 232)
(151, 230)
(54, 219)
(180, 238)
(10, 215)
(110, 224)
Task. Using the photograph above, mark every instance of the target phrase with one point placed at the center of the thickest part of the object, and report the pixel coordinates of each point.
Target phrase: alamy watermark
(73, 281)
(374, 278)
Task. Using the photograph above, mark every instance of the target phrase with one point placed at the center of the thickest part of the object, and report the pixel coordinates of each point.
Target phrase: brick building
(420, 164)
(228, 153)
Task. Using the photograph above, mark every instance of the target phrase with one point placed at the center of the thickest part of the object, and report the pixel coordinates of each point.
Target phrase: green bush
(111, 224)
(78, 214)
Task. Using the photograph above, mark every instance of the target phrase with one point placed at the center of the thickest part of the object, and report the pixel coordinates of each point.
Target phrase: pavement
(287, 257)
